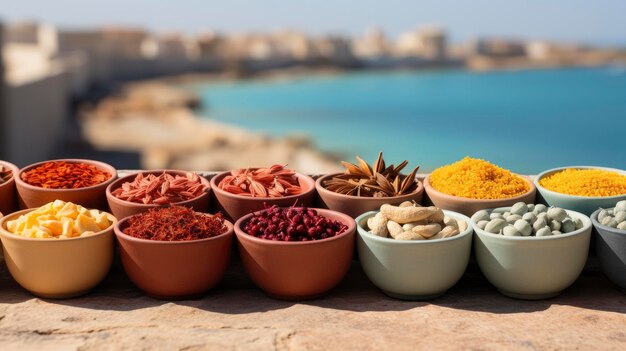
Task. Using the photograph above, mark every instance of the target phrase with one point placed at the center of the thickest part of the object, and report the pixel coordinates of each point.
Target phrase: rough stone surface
(354, 316)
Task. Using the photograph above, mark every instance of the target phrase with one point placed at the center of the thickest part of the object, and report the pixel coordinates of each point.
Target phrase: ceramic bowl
(413, 269)
(236, 206)
(611, 251)
(8, 199)
(530, 267)
(57, 268)
(174, 270)
(469, 206)
(30, 196)
(297, 270)
(583, 204)
(354, 206)
(122, 208)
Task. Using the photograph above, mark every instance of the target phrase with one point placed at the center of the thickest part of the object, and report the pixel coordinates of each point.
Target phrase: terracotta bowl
(611, 251)
(414, 269)
(174, 270)
(122, 208)
(30, 196)
(530, 267)
(57, 268)
(293, 270)
(8, 199)
(583, 204)
(236, 206)
(469, 206)
(354, 206)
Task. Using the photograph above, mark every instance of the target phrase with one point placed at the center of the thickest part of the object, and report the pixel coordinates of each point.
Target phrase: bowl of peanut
(412, 252)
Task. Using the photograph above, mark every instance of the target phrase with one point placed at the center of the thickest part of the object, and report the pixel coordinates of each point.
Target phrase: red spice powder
(65, 175)
(175, 223)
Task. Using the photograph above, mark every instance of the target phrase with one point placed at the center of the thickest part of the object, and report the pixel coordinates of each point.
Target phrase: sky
(591, 21)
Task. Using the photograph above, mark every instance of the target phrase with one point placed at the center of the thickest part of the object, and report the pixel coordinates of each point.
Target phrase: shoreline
(158, 120)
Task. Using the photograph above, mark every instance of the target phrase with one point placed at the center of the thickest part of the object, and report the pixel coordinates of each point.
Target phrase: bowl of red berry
(296, 253)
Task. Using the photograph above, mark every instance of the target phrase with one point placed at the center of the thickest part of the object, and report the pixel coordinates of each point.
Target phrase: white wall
(35, 116)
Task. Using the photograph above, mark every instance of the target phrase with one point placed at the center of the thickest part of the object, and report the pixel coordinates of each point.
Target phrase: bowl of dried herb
(363, 187)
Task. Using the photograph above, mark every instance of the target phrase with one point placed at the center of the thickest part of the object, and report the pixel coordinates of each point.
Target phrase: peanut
(446, 232)
(449, 221)
(378, 225)
(394, 229)
(409, 204)
(404, 215)
(409, 226)
(409, 235)
(462, 225)
(427, 230)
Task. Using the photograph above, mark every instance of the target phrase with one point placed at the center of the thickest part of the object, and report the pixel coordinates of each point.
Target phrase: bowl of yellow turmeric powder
(470, 185)
(582, 188)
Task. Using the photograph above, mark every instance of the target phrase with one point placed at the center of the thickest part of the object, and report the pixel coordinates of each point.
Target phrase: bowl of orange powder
(471, 184)
(582, 188)
(82, 182)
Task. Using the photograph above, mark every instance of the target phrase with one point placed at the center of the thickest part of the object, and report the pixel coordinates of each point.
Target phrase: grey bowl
(529, 267)
(611, 251)
(583, 204)
(413, 270)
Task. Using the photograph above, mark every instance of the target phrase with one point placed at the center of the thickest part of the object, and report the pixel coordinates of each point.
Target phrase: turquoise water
(527, 121)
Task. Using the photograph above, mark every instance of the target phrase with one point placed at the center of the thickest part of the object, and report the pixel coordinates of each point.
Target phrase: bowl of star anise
(363, 187)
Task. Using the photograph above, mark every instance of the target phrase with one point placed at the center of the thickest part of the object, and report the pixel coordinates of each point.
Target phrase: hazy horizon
(599, 22)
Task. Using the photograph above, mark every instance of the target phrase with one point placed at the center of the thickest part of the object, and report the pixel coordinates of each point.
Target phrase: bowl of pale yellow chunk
(58, 250)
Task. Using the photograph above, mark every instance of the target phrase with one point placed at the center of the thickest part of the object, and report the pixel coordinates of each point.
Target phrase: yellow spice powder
(477, 179)
(585, 182)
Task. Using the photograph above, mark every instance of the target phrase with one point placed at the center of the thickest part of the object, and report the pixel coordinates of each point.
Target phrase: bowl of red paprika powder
(174, 253)
(82, 182)
(296, 253)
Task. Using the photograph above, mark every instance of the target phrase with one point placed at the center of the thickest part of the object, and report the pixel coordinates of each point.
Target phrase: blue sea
(526, 121)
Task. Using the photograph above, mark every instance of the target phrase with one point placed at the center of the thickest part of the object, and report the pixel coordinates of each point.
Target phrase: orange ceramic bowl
(122, 208)
(294, 270)
(469, 206)
(236, 206)
(8, 199)
(174, 270)
(355, 206)
(30, 196)
(57, 268)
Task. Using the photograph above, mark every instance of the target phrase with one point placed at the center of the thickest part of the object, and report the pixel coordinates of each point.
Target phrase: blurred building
(496, 47)
(428, 43)
(372, 45)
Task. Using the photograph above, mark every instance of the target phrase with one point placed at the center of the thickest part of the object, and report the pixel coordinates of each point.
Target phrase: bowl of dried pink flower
(139, 192)
(363, 187)
(243, 191)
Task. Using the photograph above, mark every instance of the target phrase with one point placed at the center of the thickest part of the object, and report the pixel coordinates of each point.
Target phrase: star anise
(377, 180)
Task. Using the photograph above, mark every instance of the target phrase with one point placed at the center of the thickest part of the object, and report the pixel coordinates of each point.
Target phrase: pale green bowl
(529, 267)
(584, 204)
(413, 270)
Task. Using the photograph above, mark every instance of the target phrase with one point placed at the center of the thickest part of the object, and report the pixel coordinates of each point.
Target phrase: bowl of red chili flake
(242, 191)
(8, 201)
(137, 193)
(174, 252)
(82, 182)
(296, 253)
